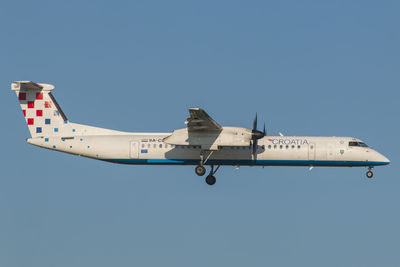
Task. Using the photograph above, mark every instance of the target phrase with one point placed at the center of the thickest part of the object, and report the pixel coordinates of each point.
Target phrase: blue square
(46, 139)
(47, 121)
(73, 130)
(56, 130)
(38, 129)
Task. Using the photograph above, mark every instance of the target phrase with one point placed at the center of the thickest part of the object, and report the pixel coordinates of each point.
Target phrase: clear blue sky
(307, 68)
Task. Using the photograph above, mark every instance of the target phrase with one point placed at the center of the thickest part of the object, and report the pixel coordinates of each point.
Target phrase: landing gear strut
(200, 170)
(369, 173)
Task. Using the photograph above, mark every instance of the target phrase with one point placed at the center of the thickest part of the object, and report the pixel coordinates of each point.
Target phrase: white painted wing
(200, 121)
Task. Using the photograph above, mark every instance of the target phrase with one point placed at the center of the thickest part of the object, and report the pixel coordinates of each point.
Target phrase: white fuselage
(202, 142)
(149, 148)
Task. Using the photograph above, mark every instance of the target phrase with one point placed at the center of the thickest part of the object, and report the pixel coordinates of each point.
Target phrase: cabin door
(134, 151)
(311, 151)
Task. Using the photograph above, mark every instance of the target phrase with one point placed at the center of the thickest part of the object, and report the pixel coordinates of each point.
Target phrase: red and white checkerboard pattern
(41, 114)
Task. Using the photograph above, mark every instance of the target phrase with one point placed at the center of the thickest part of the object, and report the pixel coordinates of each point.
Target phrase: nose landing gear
(369, 173)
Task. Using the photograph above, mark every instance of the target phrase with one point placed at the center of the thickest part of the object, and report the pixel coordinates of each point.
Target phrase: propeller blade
(255, 145)
(255, 123)
(255, 135)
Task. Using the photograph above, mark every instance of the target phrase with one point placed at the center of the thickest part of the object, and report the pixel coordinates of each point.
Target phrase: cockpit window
(361, 144)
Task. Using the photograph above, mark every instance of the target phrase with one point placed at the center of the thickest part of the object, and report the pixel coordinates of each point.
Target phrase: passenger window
(142, 145)
(287, 146)
(280, 146)
(298, 146)
(154, 145)
(269, 146)
(292, 146)
(274, 146)
(148, 145)
(160, 145)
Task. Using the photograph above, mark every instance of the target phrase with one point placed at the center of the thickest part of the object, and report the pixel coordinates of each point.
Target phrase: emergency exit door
(134, 150)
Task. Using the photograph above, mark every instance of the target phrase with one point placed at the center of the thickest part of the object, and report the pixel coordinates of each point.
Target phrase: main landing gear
(210, 179)
(200, 170)
(369, 173)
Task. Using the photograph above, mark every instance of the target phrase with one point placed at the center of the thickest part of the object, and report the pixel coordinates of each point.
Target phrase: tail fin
(44, 116)
(42, 113)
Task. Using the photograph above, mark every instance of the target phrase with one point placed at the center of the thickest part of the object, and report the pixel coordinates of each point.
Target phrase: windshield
(361, 144)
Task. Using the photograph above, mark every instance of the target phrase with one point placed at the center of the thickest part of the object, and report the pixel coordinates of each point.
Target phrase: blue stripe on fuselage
(249, 162)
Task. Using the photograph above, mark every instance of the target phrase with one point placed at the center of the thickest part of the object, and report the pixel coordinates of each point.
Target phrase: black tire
(200, 170)
(369, 174)
(210, 180)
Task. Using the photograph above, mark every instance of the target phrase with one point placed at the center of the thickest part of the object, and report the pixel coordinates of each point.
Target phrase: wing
(200, 121)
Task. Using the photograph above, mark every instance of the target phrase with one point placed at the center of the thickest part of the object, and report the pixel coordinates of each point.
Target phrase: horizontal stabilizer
(31, 86)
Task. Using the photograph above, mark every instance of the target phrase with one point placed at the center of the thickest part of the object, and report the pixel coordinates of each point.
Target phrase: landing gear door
(311, 151)
(134, 150)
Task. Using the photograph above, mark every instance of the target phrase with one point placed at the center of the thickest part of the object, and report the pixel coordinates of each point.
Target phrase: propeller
(255, 135)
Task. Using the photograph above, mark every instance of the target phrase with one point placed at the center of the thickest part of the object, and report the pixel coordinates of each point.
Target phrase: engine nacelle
(229, 136)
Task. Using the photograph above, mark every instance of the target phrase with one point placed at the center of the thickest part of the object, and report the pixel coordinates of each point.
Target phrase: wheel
(370, 174)
(200, 170)
(210, 180)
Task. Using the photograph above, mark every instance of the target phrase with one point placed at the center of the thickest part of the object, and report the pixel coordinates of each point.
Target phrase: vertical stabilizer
(42, 113)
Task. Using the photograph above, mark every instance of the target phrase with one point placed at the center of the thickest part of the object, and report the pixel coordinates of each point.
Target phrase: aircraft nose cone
(382, 159)
(386, 160)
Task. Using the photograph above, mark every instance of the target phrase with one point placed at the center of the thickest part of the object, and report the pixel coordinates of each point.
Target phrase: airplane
(202, 143)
